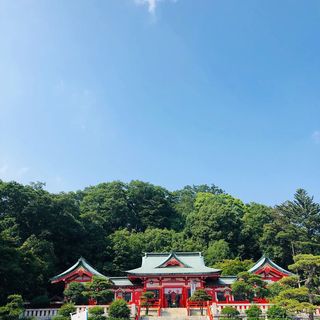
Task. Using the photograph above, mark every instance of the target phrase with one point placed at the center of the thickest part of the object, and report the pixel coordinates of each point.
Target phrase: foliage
(253, 313)
(216, 217)
(64, 312)
(217, 251)
(13, 309)
(297, 299)
(200, 296)
(229, 313)
(98, 289)
(249, 286)
(119, 309)
(146, 298)
(96, 313)
(276, 312)
(231, 267)
(74, 293)
(111, 224)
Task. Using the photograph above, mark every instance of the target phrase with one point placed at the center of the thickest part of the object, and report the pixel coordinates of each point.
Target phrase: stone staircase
(175, 314)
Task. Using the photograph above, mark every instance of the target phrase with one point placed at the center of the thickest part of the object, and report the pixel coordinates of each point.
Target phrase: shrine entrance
(173, 298)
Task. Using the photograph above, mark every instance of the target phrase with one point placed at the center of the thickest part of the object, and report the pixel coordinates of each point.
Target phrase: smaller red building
(173, 277)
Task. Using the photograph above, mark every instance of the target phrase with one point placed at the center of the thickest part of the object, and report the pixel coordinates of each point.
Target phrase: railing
(195, 305)
(209, 312)
(153, 305)
(41, 314)
(240, 306)
(49, 313)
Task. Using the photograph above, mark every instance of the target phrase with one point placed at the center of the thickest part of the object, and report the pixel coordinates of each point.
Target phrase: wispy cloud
(150, 4)
(316, 136)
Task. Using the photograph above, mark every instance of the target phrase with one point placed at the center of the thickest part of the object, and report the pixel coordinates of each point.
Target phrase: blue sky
(171, 92)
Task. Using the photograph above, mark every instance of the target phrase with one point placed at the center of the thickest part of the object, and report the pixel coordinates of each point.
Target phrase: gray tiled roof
(192, 263)
(121, 281)
(80, 263)
(265, 260)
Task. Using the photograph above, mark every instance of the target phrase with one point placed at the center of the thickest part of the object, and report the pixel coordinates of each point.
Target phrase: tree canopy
(111, 224)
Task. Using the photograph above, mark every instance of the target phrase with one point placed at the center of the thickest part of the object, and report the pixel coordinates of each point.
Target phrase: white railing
(41, 314)
(241, 307)
(49, 313)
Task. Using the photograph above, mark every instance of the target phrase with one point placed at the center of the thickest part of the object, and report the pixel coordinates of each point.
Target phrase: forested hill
(112, 224)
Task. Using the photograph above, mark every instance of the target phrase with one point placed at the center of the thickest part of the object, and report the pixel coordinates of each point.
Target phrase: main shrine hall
(172, 277)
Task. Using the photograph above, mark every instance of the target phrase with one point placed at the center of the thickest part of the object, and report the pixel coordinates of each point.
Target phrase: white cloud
(151, 4)
(316, 136)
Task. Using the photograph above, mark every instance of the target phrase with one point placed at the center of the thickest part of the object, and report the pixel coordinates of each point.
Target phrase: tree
(119, 309)
(201, 297)
(249, 286)
(146, 300)
(152, 206)
(99, 290)
(229, 313)
(217, 251)
(13, 309)
(231, 267)
(216, 217)
(307, 297)
(65, 311)
(253, 313)
(276, 313)
(255, 217)
(294, 229)
(75, 293)
(96, 313)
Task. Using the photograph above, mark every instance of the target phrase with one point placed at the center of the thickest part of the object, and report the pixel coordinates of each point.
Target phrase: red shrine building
(172, 277)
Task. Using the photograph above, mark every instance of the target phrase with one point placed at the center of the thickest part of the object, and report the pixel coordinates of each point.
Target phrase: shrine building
(172, 277)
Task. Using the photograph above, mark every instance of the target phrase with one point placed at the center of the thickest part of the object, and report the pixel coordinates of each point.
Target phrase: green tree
(201, 297)
(13, 310)
(65, 311)
(294, 229)
(255, 217)
(231, 267)
(216, 217)
(300, 294)
(96, 313)
(75, 293)
(277, 313)
(99, 290)
(152, 206)
(217, 251)
(119, 309)
(146, 300)
(229, 313)
(249, 286)
(253, 313)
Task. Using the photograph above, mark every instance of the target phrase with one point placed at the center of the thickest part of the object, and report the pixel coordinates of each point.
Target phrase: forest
(111, 225)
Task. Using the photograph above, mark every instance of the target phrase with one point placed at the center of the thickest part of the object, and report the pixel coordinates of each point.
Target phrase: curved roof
(159, 263)
(81, 263)
(264, 261)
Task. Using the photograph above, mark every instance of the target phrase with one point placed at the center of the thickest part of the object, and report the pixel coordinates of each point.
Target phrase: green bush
(229, 313)
(64, 312)
(96, 313)
(276, 312)
(253, 313)
(13, 310)
(119, 309)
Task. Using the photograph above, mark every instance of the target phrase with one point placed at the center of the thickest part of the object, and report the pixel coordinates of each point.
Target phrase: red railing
(209, 313)
(152, 304)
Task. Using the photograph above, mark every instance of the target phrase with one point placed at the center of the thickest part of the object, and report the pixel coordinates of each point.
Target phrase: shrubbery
(229, 313)
(119, 310)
